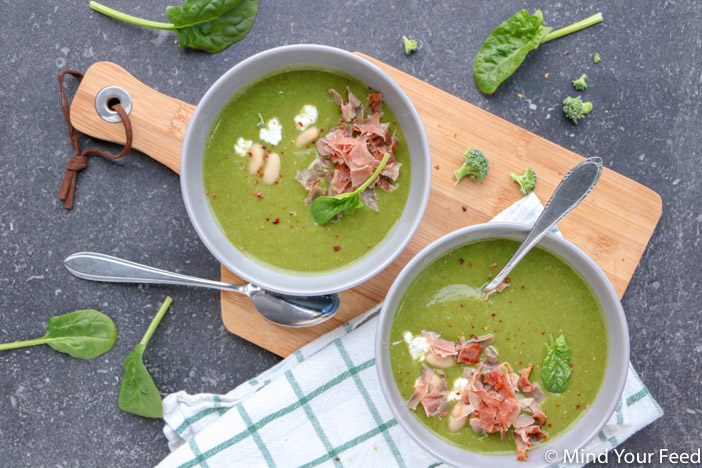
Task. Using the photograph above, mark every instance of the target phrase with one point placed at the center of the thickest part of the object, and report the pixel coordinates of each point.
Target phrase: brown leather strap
(79, 160)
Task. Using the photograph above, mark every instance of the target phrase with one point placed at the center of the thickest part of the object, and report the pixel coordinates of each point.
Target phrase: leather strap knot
(79, 160)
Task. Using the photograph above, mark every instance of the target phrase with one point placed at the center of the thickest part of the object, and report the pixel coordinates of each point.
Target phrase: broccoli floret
(527, 182)
(575, 109)
(580, 84)
(596, 58)
(476, 166)
(410, 44)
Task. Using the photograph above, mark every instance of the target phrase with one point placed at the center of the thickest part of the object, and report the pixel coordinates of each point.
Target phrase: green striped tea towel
(322, 406)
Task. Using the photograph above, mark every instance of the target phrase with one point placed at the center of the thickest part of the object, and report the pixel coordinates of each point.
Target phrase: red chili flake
(450, 326)
(436, 167)
(291, 213)
(520, 363)
(264, 146)
(493, 266)
(549, 424)
(325, 225)
(276, 183)
(470, 265)
(281, 176)
(522, 287)
(337, 459)
(507, 280)
(336, 235)
(337, 248)
(300, 124)
(268, 219)
(214, 195)
(577, 406)
(249, 153)
(261, 174)
(493, 315)
(460, 261)
(464, 208)
(259, 195)
(494, 94)
(269, 152)
(566, 53)
(578, 393)
(226, 157)
(277, 220)
(265, 156)
(368, 245)
(543, 333)
(399, 380)
(256, 181)
(462, 305)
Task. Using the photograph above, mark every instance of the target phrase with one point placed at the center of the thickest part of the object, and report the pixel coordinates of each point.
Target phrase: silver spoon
(575, 186)
(281, 309)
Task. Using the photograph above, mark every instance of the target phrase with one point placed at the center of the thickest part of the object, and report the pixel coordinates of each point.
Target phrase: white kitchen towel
(322, 406)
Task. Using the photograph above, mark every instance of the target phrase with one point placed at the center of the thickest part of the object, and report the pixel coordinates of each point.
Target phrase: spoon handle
(575, 186)
(99, 267)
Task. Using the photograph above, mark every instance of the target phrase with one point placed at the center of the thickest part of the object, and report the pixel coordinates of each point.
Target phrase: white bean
(272, 170)
(307, 136)
(441, 362)
(456, 422)
(256, 158)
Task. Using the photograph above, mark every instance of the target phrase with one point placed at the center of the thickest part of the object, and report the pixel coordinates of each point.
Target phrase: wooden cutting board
(613, 225)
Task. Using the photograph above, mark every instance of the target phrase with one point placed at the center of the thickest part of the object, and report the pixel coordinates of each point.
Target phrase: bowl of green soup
(305, 170)
(494, 380)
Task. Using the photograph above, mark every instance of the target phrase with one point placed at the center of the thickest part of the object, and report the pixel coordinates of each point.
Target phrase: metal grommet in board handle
(103, 101)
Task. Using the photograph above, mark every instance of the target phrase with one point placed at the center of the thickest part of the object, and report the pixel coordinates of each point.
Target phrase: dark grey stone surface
(60, 411)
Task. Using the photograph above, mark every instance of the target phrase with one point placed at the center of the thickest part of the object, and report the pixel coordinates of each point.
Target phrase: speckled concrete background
(60, 411)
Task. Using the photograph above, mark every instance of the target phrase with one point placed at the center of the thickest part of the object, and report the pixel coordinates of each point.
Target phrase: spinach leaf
(212, 25)
(556, 368)
(84, 334)
(138, 393)
(507, 46)
(325, 208)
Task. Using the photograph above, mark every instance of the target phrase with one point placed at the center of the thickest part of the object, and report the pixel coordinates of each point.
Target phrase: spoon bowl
(281, 309)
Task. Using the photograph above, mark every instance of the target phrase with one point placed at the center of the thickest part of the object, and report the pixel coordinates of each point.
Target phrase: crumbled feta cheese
(458, 386)
(273, 133)
(306, 117)
(242, 146)
(418, 346)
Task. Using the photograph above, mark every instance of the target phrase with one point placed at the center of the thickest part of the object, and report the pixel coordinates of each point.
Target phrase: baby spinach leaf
(212, 25)
(507, 46)
(556, 368)
(324, 208)
(84, 334)
(138, 393)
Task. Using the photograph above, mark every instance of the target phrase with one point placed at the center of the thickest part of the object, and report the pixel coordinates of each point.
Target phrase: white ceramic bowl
(587, 427)
(248, 71)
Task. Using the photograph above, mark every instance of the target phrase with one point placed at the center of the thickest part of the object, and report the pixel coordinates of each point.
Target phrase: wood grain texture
(159, 122)
(613, 225)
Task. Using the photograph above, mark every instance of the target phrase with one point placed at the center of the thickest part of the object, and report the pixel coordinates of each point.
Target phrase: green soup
(545, 297)
(271, 223)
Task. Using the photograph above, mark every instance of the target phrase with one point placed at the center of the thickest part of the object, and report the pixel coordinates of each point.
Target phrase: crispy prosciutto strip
(431, 391)
(353, 150)
(494, 399)
(524, 437)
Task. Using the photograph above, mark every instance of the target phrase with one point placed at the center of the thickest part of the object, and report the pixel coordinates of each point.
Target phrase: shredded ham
(351, 152)
(491, 401)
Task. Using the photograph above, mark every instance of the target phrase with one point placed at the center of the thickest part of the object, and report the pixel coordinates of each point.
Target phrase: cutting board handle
(159, 121)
